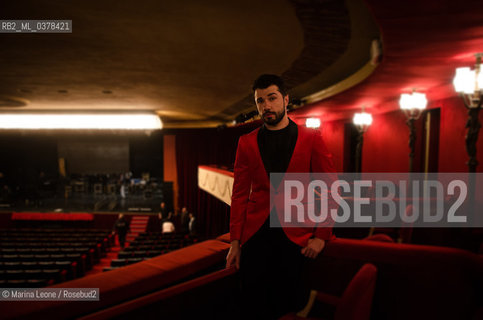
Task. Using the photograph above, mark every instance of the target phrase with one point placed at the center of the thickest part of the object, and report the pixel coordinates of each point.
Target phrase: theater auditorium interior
(143, 102)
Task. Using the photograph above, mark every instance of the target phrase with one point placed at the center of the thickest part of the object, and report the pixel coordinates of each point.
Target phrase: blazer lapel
(256, 150)
(296, 151)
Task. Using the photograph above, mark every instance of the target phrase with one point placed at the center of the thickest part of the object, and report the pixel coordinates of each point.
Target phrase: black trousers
(270, 275)
(122, 238)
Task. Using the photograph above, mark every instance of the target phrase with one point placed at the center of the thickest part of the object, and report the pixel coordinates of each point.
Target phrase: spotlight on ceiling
(80, 121)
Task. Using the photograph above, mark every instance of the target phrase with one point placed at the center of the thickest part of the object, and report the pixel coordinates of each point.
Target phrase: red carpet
(106, 261)
(137, 226)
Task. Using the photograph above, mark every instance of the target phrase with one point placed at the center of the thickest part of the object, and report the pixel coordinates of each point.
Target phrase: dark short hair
(266, 80)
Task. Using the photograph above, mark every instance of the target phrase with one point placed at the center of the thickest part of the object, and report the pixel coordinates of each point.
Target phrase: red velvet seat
(29, 265)
(33, 273)
(14, 274)
(356, 301)
(17, 283)
(10, 265)
(37, 283)
(380, 237)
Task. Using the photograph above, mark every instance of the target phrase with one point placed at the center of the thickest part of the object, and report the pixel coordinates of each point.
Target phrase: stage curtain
(196, 147)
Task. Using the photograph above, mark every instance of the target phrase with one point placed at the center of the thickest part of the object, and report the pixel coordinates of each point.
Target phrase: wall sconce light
(469, 84)
(312, 123)
(362, 121)
(413, 106)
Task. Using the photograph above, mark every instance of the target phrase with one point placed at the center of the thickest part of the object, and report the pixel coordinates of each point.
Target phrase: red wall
(386, 147)
(333, 134)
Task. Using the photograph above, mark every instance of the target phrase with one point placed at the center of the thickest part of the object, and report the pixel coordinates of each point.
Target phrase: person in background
(185, 219)
(192, 224)
(163, 211)
(167, 226)
(121, 227)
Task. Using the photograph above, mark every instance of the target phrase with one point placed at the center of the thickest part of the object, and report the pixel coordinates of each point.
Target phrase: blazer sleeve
(322, 161)
(241, 190)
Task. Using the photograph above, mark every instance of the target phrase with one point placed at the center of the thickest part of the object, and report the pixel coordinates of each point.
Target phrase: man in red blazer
(269, 258)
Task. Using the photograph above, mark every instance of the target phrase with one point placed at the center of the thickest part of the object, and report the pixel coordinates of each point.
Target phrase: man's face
(271, 104)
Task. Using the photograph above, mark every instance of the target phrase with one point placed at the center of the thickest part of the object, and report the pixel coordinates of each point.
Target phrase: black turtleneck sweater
(276, 149)
(277, 146)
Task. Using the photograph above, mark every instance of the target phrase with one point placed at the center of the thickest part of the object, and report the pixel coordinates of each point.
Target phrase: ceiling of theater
(190, 61)
(423, 43)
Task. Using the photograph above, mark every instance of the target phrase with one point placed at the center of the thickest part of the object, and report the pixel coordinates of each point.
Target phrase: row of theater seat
(141, 253)
(26, 265)
(50, 239)
(159, 245)
(70, 230)
(29, 283)
(36, 258)
(31, 274)
(148, 245)
(160, 235)
(42, 250)
(74, 264)
(11, 258)
(47, 244)
(33, 232)
(147, 240)
(51, 233)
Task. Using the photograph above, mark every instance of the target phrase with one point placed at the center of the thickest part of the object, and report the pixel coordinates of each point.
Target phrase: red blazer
(250, 203)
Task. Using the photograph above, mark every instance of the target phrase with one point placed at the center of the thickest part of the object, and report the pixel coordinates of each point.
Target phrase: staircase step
(138, 225)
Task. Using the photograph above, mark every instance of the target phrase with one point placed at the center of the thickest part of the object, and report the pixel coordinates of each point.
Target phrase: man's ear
(286, 99)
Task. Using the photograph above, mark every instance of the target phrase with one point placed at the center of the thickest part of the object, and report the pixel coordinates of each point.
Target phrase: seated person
(167, 227)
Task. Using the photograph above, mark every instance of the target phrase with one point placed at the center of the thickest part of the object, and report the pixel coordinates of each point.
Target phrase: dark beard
(276, 120)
